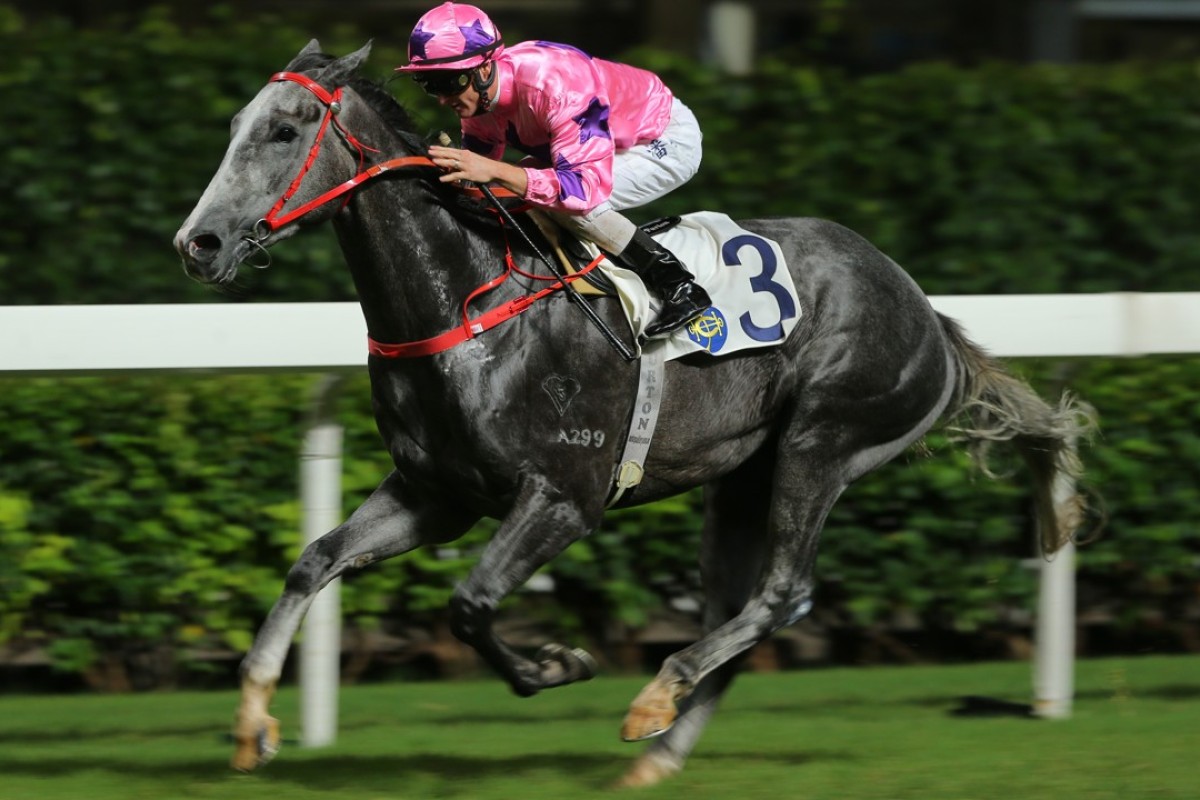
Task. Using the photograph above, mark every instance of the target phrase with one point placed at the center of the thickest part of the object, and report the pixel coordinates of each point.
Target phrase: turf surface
(886, 733)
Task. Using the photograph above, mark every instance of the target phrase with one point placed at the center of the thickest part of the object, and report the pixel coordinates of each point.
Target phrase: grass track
(838, 734)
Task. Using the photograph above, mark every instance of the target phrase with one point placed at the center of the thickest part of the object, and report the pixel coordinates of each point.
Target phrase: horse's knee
(468, 616)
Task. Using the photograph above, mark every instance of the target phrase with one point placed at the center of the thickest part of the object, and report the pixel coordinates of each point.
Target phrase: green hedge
(1001, 179)
(146, 520)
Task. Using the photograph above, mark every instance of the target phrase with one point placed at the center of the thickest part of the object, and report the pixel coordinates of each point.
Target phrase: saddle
(574, 253)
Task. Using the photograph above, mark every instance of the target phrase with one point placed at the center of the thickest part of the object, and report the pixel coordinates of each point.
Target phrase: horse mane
(377, 97)
(396, 117)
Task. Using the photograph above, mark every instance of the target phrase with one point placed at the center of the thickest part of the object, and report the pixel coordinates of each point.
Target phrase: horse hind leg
(731, 557)
(385, 525)
(806, 485)
(827, 443)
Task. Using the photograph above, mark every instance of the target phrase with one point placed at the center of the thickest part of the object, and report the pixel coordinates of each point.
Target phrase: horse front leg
(390, 522)
(540, 526)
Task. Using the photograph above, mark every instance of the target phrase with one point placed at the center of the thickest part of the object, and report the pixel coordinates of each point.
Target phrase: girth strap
(631, 468)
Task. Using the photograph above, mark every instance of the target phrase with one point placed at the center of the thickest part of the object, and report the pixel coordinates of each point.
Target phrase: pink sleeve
(581, 147)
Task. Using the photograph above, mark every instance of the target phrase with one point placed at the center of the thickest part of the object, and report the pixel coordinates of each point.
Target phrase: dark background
(861, 35)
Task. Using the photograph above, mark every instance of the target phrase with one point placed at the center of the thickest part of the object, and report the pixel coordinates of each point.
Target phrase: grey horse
(774, 436)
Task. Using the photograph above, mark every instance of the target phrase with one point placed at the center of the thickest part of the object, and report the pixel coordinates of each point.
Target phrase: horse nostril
(204, 247)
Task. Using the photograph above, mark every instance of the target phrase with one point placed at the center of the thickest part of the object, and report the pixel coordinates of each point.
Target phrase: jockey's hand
(464, 165)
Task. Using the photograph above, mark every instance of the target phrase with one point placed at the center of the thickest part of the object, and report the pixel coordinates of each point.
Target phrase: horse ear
(339, 72)
(311, 49)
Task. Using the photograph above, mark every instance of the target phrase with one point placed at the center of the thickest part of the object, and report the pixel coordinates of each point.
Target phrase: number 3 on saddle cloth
(754, 298)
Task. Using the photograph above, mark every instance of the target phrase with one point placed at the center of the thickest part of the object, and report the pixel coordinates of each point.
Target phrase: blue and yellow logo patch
(709, 330)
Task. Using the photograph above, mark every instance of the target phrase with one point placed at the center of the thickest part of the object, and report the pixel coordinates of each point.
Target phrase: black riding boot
(682, 298)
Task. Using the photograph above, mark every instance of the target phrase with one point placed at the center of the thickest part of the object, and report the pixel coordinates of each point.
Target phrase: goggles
(443, 83)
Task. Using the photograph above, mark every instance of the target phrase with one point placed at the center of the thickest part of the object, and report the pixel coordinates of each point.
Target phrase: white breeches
(641, 174)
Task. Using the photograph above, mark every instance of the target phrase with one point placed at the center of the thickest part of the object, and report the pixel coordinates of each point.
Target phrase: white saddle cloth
(754, 298)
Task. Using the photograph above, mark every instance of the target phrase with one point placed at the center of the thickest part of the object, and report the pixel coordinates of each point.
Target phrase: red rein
(471, 327)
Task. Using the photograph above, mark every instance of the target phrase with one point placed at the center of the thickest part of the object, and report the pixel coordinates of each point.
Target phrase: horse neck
(412, 262)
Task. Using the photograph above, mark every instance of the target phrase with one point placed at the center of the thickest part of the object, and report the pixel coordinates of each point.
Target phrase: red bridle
(333, 106)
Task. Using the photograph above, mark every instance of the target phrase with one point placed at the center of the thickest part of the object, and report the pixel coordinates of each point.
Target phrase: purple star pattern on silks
(539, 151)
(558, 46)
(416, 43)
(570, 180)
(475, 36)
(593, 123)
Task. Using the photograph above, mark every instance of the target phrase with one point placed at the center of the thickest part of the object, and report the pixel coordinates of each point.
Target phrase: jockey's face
(466, 103)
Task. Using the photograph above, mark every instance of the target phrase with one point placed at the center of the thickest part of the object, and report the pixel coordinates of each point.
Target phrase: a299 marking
(581, 438)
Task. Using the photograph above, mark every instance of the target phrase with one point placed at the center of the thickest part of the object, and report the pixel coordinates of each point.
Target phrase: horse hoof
(256, 750)
(652, 714)
(641, 725)
(575, 663)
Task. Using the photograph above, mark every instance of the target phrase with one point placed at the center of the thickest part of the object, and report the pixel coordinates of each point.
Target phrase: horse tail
(992, 405)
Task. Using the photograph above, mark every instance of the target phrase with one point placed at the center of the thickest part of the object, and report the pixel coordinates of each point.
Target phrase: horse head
(287, 146)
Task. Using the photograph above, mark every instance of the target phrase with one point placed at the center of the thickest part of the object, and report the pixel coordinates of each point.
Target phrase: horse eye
(285, 134)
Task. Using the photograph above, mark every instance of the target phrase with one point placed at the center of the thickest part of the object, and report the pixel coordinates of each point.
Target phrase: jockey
(601, 137)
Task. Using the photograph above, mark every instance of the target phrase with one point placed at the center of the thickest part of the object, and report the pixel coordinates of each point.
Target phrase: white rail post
(731, 36)
(321, 500)
(1054, 644)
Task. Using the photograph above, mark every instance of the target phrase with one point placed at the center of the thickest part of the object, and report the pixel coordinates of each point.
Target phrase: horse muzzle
(212, 259)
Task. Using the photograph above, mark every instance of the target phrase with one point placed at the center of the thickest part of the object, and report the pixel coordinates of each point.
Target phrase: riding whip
(608, 333)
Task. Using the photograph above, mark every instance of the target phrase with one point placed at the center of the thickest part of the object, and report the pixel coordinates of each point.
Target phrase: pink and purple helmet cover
(453, 36)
